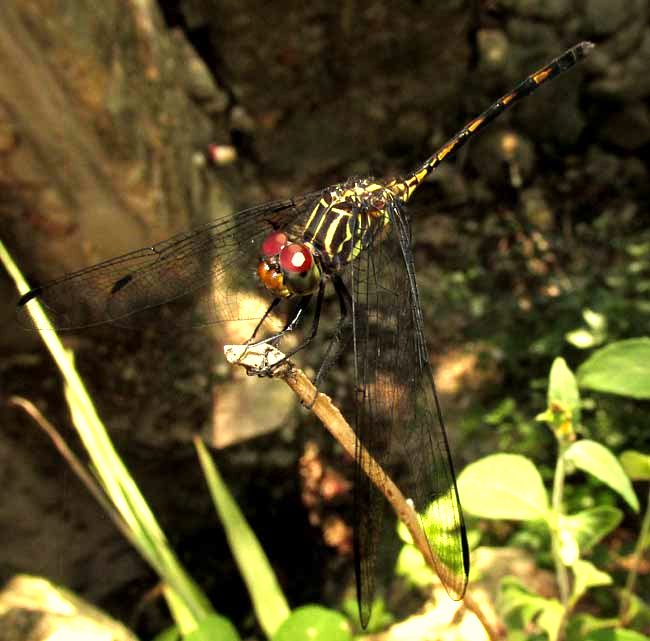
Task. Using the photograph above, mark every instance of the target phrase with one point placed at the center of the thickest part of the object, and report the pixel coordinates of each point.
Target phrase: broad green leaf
(503, 486)
(636, 465)
(213, 627)
(563, 389)
(269, 602)
(597, 460)
(314, 623)
(590, 526)
(620, 368)
(587, 576)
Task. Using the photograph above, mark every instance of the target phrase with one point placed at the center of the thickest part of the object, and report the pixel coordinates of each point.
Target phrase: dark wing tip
(121, 283)
(30, 295)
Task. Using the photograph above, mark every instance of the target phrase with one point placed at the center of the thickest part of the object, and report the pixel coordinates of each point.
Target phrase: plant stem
(556, 515)
(641, 544)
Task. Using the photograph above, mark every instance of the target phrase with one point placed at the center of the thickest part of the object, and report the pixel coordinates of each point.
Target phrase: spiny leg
(345, 303)
(291, 325)
(269, 309)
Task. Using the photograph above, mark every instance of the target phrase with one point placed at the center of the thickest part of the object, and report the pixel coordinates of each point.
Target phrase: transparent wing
(398, 417)
(206, 275)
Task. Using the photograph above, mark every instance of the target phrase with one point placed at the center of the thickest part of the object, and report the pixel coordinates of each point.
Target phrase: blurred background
(125, 121)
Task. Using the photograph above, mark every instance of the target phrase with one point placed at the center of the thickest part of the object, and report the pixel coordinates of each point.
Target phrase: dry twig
(259, 356)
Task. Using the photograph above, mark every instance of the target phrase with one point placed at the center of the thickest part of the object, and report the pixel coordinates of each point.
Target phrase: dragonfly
(356, 237)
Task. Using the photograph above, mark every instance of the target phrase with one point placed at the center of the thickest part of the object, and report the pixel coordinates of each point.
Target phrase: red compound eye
(273, 243)
(296, 258)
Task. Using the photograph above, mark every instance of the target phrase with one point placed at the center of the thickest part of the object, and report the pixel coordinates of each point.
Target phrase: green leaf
(580, 625)
(315, 623)
(615, 634)
(597, 322)
(514, 596)
(591, 525)
(582, 338)
(563, 389)
(597, 460)
(213, 627)
(550, 618)
(595, 335)
(516, 599)
(172, 633)
(411, 565)
(587, 576)
(380, 618)
(620, 368)
(636, 465)
(269, 602)
(503, 486)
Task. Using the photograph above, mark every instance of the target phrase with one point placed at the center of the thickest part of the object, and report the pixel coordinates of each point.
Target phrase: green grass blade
(113, 476)
(270, 604)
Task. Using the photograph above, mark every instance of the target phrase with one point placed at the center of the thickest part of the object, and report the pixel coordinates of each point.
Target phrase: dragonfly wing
(204, 276)
(423, 441)
(398, 420)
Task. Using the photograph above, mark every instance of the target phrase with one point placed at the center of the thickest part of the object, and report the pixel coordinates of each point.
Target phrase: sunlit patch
(245, 309)
(468, 369)
(388, 393)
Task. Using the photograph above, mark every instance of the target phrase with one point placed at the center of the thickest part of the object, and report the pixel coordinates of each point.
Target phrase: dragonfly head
(287, 268)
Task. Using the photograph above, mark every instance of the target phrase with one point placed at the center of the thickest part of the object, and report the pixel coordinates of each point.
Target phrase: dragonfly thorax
(346, 219)
(364, 196)
(288, 268)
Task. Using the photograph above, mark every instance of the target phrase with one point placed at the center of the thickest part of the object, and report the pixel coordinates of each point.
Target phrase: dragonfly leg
(292, 324)
(339, 340)
(270, 308)
(289, 327)
(273, 339)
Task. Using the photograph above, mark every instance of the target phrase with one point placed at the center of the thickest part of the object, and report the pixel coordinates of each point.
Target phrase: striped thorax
(345, 220)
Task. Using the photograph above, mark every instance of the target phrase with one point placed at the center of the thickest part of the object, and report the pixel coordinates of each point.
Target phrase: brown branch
(259, 356)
